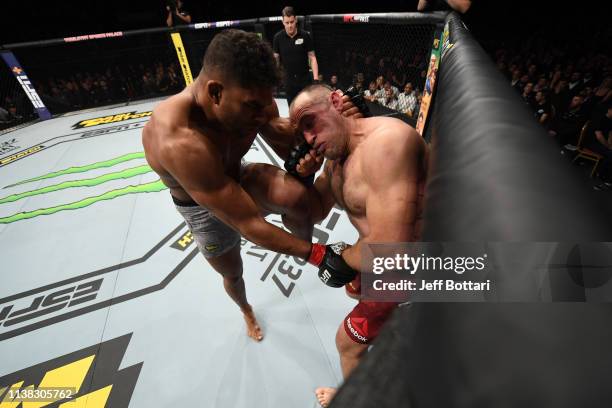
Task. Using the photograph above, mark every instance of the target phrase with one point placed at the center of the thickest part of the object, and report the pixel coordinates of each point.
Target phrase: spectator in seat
(600, 141)
(390, 100)
(371, 94)
(520, 85)
(543, 109)
(568, 125)
(527, 95)
(407, 100)
(575, 84)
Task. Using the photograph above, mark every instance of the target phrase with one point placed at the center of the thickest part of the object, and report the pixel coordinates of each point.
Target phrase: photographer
(176, 14)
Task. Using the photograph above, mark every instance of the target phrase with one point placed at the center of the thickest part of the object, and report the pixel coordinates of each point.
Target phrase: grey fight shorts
(212, 236)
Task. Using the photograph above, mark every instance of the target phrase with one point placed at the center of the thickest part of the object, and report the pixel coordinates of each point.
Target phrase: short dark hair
(288, 12)
(319, 93)
(243, 57)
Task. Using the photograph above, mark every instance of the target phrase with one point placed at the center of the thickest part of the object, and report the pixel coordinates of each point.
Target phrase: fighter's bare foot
(253, 329)
(325, 395)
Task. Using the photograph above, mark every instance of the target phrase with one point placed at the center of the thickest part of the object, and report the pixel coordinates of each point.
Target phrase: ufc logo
(325, 276)
(30, 92)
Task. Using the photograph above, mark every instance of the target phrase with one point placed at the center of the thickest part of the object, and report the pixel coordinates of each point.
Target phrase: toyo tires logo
(103, 120)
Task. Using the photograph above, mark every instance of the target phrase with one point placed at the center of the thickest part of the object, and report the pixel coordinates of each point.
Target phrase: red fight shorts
(364, 322)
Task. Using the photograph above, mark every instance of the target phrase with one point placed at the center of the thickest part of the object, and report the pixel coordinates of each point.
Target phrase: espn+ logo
(30, 308)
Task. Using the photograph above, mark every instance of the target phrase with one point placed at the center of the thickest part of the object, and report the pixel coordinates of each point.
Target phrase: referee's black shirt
(293, 53)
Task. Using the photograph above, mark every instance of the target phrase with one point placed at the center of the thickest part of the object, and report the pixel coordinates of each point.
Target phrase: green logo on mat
(151, 187)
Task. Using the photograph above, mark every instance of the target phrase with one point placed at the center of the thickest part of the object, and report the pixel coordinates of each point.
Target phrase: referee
(294, 50)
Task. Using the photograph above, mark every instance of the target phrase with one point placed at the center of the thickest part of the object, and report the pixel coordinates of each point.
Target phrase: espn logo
(19, 312)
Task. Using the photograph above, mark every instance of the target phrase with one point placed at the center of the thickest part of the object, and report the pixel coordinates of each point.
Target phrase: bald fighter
(195, 141)
(375, 170)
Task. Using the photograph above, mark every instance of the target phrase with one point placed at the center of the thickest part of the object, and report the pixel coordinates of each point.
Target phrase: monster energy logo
(150, 187)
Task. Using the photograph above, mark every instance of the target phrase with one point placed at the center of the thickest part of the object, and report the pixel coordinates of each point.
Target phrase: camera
(171, 4)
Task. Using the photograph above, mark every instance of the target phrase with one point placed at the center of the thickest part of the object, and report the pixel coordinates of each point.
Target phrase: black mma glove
(333, 269)
(297, 153)
(357, 98)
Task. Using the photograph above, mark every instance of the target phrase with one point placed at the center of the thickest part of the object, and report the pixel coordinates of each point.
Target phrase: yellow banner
(182, 57)
(20, 155)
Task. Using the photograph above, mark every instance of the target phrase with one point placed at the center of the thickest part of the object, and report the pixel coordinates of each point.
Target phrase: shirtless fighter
(195, 141)
(376, 171)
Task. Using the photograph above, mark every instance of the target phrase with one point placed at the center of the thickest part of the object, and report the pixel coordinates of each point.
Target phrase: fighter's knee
(298, 199)
(345, 345)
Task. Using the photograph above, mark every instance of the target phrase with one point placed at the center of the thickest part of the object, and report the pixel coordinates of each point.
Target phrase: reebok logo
(354, 332)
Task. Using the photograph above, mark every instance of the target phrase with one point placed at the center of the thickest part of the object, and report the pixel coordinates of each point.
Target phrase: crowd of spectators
(114, 84)
(387, 81)
(69, 91)
(565, 86)
(390, 83)
(14, 109)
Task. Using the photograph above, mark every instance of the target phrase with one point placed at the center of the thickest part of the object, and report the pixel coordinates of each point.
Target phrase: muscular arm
(211, 188)
(313, 64)
(391, 204)
(278, 133)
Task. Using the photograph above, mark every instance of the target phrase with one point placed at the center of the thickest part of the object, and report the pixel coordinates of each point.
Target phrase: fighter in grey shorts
(212, 236)
(194, 141)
